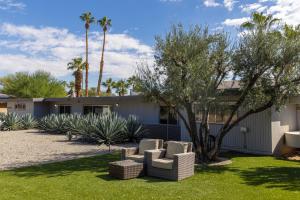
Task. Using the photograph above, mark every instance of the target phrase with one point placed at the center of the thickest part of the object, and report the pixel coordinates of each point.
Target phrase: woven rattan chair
(162, 164)
(137, 153)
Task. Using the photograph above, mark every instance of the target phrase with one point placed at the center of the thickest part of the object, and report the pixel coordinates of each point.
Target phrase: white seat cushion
(136, 157)
(176, 148)
(147, 144)
(163, 163)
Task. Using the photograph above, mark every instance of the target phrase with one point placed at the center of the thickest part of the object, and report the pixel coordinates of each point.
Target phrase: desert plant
(134, 129)
(11, 121)
(2, 116)
(54, 123)
(28, 121)
(73, 125)
(110, 129)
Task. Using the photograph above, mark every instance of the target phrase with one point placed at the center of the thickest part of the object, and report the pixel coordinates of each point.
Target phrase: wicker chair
(180, 166)
(137, 153)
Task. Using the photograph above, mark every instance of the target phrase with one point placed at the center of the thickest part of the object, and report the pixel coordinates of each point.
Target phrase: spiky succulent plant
(11, 121)
(134, 129)
(28, 122)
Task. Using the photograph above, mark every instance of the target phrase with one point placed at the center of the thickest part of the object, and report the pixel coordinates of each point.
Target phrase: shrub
(2, 116)
(54, 123)
(110, 129)
(28, 122)
(134, 129)
(11, 121)
(73, 125)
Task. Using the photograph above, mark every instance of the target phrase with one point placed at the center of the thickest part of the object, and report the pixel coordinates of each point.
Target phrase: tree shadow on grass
(286, 178)
(96, 164)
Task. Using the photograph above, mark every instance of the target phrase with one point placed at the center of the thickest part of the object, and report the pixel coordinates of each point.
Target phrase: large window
(167, 116)
(95, 109)
(64, 109)
(20, 106)
(216, 115)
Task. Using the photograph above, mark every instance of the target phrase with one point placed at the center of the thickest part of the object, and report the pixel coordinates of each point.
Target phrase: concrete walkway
(31, 147)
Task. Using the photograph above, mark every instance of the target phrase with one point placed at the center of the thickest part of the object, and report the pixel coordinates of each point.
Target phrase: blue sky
(46, 34)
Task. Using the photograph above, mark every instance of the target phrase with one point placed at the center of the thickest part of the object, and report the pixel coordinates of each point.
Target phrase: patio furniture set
(175, 162)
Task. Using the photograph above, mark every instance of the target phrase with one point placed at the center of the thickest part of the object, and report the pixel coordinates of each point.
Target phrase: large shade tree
(88, 19)
(39, 84)
(192, 66)
(105, 24)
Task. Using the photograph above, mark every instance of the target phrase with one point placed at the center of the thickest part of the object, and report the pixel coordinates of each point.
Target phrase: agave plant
(87, 127)
(73, 125)
(134, 129)
(110, 129)
(28, 121)
(11, 121)
(54, 123)
(2, 116)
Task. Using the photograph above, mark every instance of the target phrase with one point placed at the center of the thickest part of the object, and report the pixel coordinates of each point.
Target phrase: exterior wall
(41, 109)
(148, 113)
(28, 103)
(3, 108)
(283, 121)
(257, 139)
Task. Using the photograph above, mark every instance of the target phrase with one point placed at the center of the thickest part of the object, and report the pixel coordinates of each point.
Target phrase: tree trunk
(87, 64)
(78, 81)
(101, 66)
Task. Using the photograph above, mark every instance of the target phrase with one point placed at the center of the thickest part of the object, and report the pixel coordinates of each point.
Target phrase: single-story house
(262, 133)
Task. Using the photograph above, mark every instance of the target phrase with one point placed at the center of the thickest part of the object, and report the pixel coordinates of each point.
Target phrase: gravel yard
(31, 147)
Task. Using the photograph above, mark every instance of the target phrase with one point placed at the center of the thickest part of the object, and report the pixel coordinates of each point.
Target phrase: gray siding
(28, 110)
(256, 140)
(148, 113)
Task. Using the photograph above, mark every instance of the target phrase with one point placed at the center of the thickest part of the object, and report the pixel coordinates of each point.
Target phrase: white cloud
(229, 4)
(253, 7)
(50, 49)
(211, 3)
(235, 22)
(287, 10)
(11, 5)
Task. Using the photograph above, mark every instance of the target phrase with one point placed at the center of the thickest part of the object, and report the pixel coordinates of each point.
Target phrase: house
(261, 133)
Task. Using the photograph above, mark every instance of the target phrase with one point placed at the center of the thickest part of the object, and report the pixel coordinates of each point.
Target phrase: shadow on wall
(282, 149)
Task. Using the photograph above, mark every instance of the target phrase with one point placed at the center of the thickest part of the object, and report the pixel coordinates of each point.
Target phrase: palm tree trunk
(87, 64)
(101, 65)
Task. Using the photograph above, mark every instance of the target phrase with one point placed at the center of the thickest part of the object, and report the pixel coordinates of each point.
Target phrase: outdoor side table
(126, 169)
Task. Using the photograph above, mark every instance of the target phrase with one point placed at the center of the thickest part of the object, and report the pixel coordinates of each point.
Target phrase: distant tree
(191, 66)
(121, 87)
(37, 85)
(108, 84)
(105, 23)
(77, 65)
(88, 19)
(133, 83)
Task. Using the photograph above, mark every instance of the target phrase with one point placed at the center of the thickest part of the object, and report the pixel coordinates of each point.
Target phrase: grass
(249, 177)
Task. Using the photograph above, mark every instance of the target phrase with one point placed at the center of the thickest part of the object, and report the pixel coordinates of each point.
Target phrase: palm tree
(71, 85)
(133, 82)
(77, 65)
(88, 19)
(108, 84)
(260, 22)
(105, 23)
(121, 87)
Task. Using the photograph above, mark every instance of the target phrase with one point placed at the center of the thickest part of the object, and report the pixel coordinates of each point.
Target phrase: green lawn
(249, 177)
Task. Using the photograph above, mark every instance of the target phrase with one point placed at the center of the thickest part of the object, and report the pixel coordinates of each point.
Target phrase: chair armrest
(128, 151)
(184, 159)
(154, 154)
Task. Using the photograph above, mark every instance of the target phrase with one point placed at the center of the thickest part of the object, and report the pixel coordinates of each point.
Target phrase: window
(20, 106)
(167, 116)
(217, 116)
(96, 109)
(64, 109)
